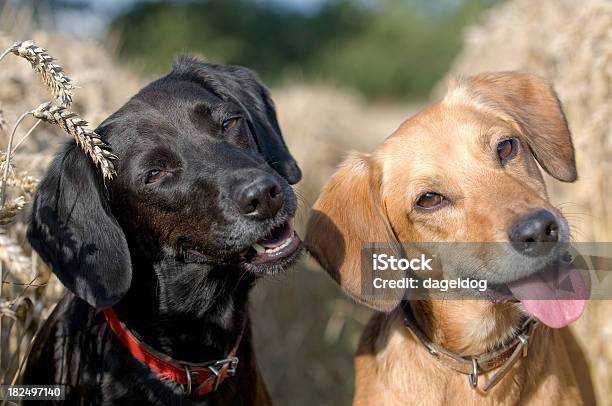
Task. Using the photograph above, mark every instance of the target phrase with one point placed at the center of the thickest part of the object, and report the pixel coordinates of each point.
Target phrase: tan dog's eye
(506, 150)
(430, 200)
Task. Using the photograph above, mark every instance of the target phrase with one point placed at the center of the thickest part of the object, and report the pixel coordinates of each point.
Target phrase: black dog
(200, 207)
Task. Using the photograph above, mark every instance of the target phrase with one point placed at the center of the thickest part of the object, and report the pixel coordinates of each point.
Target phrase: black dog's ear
(74, 232)
(242, 86)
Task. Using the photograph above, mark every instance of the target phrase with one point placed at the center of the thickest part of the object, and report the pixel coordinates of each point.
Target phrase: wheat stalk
(6, 160)
(12, 255)
(52, 74)
(3, 163)
(88, 140)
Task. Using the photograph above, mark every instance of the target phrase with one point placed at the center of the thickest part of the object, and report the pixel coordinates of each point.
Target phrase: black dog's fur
(168, 255)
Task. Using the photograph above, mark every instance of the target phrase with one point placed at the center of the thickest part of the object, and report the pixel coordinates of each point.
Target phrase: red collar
(199, 378)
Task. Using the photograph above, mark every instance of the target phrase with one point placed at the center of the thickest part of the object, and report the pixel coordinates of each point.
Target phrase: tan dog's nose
(534, 233)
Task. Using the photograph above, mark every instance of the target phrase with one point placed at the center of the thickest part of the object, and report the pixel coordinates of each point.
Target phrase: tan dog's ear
(347, 221)
(532, 104)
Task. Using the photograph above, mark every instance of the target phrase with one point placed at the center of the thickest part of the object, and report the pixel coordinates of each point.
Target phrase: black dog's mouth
(279, 249)
(281, 243)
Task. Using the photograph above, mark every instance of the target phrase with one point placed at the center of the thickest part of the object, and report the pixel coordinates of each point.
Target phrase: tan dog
(462, 170)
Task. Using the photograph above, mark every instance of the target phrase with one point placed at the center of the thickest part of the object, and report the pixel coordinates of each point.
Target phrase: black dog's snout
(260, 199)
(535, 233)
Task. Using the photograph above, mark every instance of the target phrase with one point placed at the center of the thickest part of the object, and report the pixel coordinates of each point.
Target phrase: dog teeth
(275, 250)
(280, 247)
(259, 248)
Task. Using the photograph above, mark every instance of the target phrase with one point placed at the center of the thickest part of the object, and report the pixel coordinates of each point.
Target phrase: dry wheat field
(566, 41)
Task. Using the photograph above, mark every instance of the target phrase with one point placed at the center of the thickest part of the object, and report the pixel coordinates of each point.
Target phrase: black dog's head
(203, 175)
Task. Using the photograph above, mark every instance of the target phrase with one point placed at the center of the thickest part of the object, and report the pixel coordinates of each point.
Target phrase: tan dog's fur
(449, 148)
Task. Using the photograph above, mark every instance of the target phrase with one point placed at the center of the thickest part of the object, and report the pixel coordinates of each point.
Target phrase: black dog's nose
(261, 198)
(535, 233)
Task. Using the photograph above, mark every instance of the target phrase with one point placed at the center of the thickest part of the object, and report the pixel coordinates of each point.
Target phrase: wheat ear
(23, 181)
(52, 75)
(11, 209)
(27, 185)
(88, 140)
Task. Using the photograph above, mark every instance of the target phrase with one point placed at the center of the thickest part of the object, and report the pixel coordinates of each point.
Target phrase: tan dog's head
(463, 170)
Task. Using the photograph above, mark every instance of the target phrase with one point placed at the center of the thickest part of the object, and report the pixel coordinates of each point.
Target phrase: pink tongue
(554, 300)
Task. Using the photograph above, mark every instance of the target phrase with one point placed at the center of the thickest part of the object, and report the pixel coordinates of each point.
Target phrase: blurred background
(344, 74)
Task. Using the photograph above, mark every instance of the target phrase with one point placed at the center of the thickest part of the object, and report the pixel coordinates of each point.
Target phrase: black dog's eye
(506, 150)
(430, 200)
(230, 123)
(155, 175)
